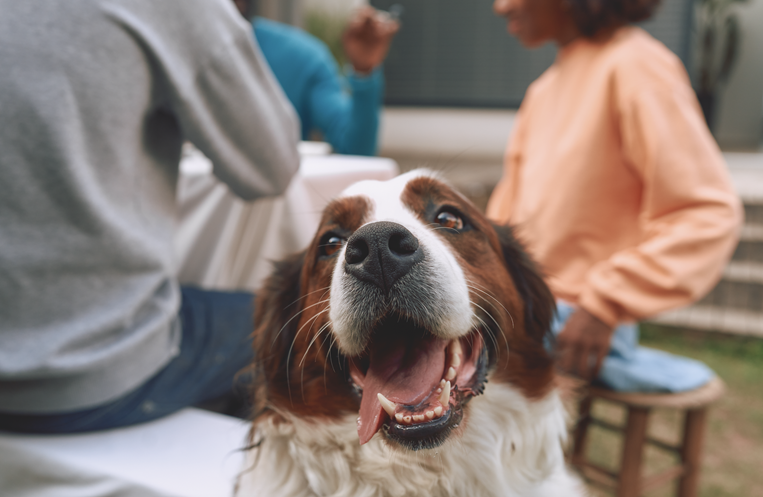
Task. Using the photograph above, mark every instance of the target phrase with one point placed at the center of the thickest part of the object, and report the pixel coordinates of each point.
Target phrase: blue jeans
(629, 367)
(624, 339)
(215, 347)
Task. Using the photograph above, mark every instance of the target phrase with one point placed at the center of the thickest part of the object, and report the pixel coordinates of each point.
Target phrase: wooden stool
(629, 481)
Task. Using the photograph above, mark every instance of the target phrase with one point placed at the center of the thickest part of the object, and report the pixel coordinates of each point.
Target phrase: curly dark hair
(591, 16)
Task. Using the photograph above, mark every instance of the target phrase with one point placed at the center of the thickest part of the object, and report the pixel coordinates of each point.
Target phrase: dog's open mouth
(414, 385)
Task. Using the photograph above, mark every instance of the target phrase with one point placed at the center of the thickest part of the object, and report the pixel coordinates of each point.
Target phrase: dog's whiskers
(301, 363)
(331, 347)
(482, 290)
(505, 338)
(294, 317)
(323, 328)
(487, 330)
(328, 357)
(291, 348)
(483, 326)
(307, 295)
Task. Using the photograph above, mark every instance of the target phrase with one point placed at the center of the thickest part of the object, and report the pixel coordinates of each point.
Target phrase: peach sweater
(615, 183)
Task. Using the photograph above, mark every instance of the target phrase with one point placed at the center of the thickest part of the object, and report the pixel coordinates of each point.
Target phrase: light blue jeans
(629, 367)
(624, 339)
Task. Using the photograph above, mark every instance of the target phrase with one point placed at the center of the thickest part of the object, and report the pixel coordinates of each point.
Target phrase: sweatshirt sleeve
(236, 113)
(349, 120)
(690, 215)
(504, 195)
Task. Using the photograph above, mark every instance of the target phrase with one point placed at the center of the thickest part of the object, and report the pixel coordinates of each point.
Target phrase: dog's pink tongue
(406, 371)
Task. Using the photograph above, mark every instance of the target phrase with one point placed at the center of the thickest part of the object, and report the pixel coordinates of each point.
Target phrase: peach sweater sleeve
(690, 216)
(501, 202)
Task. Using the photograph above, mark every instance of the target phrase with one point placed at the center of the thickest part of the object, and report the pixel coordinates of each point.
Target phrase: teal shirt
(344, 110)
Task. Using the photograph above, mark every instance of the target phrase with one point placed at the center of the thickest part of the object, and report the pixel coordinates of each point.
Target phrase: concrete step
(752, 232)
(753, 210)
(748, 251)
(744, 272)
(714, 318)
(745, 295)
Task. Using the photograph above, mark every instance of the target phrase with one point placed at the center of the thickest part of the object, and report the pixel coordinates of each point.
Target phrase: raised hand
(367, 38)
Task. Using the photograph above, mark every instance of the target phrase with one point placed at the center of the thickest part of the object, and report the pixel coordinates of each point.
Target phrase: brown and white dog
(374, 349)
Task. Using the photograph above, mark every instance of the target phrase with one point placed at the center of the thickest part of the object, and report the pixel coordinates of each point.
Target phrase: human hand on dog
(367, 39)
(582, 345)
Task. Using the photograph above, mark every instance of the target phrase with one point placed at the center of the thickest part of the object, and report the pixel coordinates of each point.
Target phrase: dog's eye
(331, 244)
(447, 219)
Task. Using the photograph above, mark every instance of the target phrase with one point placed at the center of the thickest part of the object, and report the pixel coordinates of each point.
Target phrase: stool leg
(691, 451)
(580, 437)
(633, 447)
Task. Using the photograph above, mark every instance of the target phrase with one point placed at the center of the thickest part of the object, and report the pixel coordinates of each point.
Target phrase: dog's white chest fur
(515, 452)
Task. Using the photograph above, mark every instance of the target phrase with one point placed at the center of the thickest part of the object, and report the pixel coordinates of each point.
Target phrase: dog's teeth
(455, 360)
(407, 420)
(445, 395)
(399, 418)
(438, 411)
(430, 414)
(451, 374)
(456, 351)
(418, 418)
(442, 384)
(387, 404)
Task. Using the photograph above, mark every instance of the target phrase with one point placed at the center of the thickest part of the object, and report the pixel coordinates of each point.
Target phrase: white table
(226, 243)
(191, 453)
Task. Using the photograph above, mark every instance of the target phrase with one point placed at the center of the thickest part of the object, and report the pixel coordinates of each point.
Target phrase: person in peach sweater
(612, 178)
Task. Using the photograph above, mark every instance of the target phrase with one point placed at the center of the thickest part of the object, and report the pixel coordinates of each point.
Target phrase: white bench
(188, 454)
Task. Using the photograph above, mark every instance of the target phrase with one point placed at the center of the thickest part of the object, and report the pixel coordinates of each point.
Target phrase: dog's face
(407, 301)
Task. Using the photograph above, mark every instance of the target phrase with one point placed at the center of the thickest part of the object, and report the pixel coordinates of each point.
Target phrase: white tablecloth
(226, 243)
(191, 453)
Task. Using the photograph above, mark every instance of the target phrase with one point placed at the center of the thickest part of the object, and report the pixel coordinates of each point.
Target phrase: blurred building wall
(288, 11)
(457, 53)
(740, 114)
(293, 11)
(335, 5)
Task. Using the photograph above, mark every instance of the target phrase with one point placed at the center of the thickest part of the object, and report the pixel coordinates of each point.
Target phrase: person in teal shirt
(345, 110)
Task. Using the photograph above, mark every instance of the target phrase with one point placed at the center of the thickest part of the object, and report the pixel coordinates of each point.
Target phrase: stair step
(753, 212)
(752, 232)
(741, 295)
(748, 251)
(744, 272)
(713, 318)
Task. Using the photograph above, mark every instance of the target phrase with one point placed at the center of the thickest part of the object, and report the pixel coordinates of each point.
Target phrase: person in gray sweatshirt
(96, 99)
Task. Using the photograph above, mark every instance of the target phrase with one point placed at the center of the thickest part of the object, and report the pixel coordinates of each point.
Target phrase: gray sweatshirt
(96, 98)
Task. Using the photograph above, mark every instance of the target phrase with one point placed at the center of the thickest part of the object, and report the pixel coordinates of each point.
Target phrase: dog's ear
(537, 297)
(275, 317)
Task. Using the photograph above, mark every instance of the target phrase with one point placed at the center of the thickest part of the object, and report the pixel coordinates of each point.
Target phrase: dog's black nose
(381, 253)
